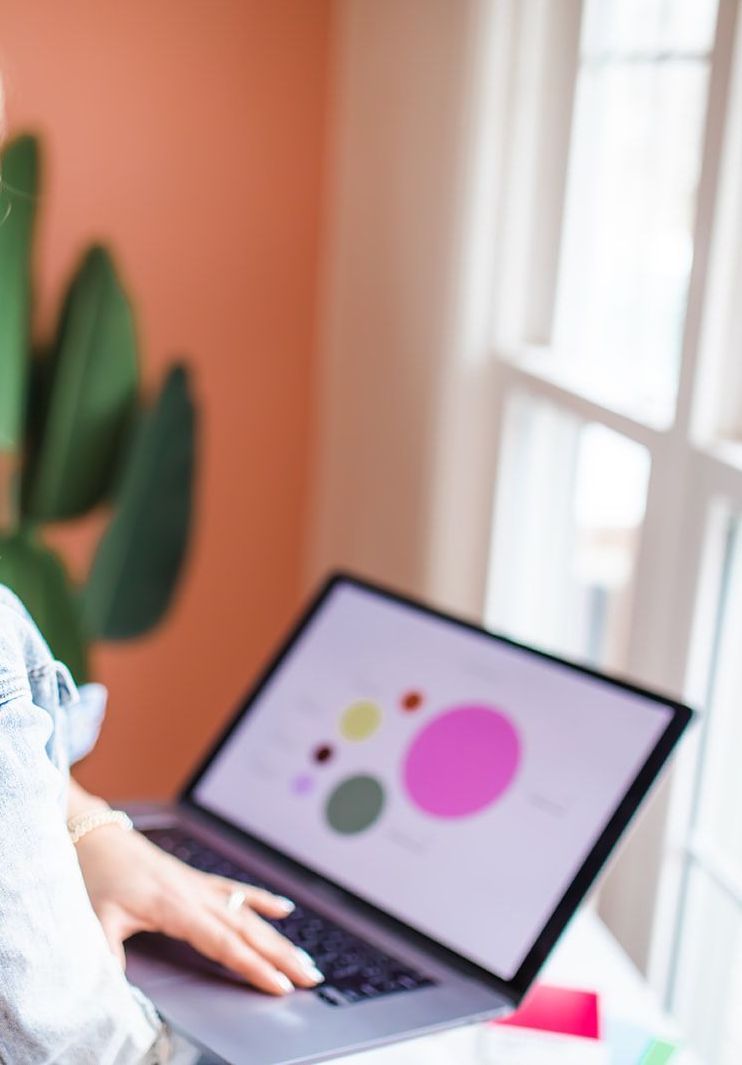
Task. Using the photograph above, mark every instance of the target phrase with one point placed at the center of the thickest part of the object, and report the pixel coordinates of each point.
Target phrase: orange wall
(190, 134)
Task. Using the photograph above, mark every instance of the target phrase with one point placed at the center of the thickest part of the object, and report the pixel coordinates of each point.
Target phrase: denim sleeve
(63, 997)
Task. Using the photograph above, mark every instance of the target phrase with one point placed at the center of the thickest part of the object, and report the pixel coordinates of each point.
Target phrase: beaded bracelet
(81, 824)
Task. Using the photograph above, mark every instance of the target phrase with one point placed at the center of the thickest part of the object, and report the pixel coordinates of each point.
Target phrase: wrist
(80, 801)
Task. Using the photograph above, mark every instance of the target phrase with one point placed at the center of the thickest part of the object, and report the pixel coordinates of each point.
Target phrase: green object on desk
(658, 1053)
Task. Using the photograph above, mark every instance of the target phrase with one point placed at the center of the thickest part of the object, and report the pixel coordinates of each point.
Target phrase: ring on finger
(236, 900)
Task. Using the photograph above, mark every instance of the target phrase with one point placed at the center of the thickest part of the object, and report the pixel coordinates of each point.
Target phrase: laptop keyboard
(354, 970)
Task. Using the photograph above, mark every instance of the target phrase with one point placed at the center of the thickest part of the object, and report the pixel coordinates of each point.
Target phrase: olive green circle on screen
(360, 720)
(355, 804)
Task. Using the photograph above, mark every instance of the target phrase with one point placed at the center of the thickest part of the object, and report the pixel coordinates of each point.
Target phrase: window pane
(569, 509)
(649, 25)
(720, 811)
(709, 977)
(627, 244)
(718, 390)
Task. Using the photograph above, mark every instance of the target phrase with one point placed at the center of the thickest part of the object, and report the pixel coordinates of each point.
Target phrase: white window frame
(675, 578)
(465, 102)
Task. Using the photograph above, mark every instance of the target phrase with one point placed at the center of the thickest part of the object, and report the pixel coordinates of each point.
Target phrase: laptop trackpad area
(247, 1028)
(203, 1000)
(152, 959)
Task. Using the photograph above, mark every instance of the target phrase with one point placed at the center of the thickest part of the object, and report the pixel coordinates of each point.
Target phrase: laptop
(436, 799)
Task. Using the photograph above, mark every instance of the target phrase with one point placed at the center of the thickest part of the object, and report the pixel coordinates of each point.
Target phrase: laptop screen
(453, 779)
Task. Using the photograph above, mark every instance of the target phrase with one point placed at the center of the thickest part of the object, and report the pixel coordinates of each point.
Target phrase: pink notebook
(558, 1009)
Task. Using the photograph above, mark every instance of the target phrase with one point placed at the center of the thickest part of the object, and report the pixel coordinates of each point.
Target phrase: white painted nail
(282, 981)
(286, 904)
(309, 965)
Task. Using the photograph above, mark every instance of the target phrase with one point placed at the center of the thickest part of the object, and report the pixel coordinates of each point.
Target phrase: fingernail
(286, 904)
(281, 980)
(309, 966)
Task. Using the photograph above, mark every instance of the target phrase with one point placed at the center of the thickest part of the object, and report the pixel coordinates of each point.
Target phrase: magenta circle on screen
(461, 762)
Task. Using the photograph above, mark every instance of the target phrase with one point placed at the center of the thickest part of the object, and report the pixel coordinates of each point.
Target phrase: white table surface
(587, 957)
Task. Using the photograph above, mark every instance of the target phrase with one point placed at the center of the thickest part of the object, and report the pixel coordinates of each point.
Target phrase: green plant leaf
(19, 167)
(37, 576)
(140, 555)
(89, 395)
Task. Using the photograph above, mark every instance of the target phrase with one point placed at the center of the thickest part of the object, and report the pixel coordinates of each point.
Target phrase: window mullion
(515, 373)
(726, 876)
(716, 113)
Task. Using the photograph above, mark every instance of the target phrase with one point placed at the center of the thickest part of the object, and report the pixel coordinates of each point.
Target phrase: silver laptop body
(248, 1028)
(244, 1027)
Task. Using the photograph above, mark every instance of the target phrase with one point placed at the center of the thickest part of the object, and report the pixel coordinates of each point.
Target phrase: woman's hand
(136, 887)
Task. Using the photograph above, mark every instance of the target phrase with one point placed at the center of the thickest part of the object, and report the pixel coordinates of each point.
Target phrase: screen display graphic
(453, 780)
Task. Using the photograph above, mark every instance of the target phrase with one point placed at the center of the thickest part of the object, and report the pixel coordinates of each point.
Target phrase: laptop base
(246, 1027)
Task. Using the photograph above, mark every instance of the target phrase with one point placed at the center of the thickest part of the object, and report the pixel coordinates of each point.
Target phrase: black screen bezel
(516, 987)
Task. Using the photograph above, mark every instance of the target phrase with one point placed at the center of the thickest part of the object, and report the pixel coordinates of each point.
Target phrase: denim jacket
(63, 996)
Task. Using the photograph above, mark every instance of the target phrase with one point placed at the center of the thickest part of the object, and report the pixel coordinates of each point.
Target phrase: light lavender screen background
(452, 780)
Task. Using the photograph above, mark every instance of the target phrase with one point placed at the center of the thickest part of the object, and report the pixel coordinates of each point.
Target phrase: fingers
(215, 938)
(275, 948)
(265, 902)
(258, 899)
(296, 967)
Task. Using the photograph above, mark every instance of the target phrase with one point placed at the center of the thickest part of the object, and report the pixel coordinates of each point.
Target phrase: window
(571, 497)
(617, 324)
(634, 163)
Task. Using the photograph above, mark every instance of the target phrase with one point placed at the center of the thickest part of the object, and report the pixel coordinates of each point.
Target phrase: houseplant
(76, 435)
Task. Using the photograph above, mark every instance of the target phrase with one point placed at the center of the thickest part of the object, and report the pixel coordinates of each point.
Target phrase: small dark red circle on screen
(323, 753)
(412, 700)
